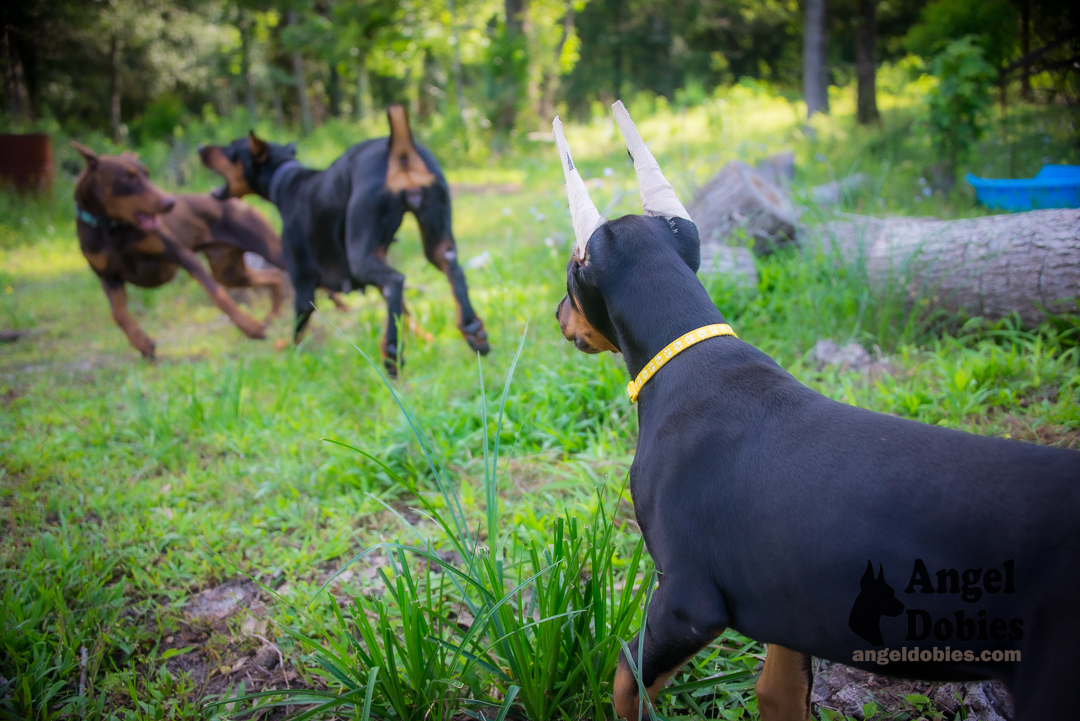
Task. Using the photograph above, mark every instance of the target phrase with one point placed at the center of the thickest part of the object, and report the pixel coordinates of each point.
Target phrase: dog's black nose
(558, 309)
(168, 204)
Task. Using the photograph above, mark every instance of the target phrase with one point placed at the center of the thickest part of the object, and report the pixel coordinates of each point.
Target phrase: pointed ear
(260, 151)
(89, 155)
(881, 573)
(867, 577)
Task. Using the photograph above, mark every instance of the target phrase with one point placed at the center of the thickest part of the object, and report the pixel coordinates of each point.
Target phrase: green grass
(126, 487)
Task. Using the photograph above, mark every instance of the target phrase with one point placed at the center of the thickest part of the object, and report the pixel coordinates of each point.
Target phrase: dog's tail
(406, 170)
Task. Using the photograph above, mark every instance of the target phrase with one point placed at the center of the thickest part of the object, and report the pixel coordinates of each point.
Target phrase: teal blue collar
(95, 221)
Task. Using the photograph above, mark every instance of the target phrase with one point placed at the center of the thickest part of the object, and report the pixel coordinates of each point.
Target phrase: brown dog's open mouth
(147, 222)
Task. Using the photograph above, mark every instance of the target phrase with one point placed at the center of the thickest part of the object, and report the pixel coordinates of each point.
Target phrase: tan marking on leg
(783, 689)
(273, 281)
(335, 298)
(626, 689)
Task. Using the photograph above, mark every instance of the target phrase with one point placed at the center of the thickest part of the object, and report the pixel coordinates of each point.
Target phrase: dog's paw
(476, 336)
(391, 360)
(253, 329)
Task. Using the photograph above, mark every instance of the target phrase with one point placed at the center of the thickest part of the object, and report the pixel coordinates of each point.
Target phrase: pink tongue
(147, 222)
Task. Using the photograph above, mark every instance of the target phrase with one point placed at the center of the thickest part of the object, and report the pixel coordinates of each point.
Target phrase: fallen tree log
(739, 196)
(1025, 263)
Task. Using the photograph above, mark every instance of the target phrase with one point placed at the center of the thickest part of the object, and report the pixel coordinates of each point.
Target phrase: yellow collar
(673, 349)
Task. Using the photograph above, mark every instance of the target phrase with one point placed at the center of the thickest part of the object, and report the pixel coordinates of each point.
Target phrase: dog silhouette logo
(876, 599)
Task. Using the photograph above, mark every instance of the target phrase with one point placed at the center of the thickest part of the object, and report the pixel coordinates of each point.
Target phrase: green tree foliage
(993, 24)
(957, 106)
(484, 67)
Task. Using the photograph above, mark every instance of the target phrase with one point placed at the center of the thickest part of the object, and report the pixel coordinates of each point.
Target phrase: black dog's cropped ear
(89, 155)
(260, 150)
(687, 241)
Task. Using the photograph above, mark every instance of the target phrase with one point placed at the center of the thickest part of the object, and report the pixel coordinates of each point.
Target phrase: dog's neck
(88, 199)
(91, 212)
(647, 318)
(279, 179)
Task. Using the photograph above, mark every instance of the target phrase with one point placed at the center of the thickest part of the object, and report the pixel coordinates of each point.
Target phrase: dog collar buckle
(673, 349)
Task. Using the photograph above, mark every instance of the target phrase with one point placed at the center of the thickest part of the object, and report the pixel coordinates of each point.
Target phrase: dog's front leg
(190, 262)
(783, 689)
(117, 295)
(442, 253)
(680, 622)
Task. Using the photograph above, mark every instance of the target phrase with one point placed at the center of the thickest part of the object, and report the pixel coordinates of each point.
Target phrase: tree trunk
(515, 10)
(1025, 49)
(114, 87)
(275, 101)
(244, 25)
(455, 63)
(362, 91)
(14, 87)
(815, 58)
(333, 91)
(865, 63)
(741, 197)
(992, 266)
(550, 84)
(506, 115)
(306, 123)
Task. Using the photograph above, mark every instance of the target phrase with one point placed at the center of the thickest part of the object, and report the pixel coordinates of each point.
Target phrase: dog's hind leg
(680, 622)
(114, 290)
(783, 689)
(229, 268)
(190, 262)
(335, 298)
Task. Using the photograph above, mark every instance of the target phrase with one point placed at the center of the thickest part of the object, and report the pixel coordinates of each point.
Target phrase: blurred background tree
(497, 68)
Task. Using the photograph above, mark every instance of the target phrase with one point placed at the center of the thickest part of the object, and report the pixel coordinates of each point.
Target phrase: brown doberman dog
(132, 232)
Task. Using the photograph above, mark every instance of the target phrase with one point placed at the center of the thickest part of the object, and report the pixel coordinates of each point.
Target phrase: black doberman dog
(761, 500)
(132, 232)
(339, 222)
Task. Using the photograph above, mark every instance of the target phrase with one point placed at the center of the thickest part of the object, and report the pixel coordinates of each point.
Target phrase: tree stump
(778, 169)
(1027, 263)
(832, 193)
(735, 264)
(739, 196)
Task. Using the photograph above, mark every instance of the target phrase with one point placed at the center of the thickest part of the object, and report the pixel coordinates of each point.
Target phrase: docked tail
(405, 170)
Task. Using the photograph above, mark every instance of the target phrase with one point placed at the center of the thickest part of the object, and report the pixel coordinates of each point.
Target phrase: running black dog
(338, 223)
(762, 501)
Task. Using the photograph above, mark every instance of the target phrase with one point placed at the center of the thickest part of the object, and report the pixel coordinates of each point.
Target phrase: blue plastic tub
(1055, 186)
